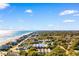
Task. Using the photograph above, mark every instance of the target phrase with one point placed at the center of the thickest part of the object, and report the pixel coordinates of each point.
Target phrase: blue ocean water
(14, 34)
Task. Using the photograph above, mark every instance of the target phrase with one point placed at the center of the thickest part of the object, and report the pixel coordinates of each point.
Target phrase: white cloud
(76, 15)
(53, 27)
(69, 21)
(28, 11)
(1, 21)
(66, 12)
(4, 5)
(50, 25)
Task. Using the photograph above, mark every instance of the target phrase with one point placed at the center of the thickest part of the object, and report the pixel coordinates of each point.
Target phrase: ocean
(12, 35)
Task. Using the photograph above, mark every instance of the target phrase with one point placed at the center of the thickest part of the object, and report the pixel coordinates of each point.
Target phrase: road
(67, 52)
(14, 47)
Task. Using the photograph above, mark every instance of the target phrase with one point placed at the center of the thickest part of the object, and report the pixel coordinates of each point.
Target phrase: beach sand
(12, 39)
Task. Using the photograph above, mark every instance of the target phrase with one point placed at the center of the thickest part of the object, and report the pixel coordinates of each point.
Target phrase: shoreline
(13, 39)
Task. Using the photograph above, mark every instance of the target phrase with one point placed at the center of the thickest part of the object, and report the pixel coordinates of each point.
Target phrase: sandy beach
(13, 39)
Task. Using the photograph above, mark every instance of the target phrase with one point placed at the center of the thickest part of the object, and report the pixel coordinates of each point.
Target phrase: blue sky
(28, 16)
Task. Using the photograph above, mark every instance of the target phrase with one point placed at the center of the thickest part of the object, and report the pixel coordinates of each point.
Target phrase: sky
(39, 16)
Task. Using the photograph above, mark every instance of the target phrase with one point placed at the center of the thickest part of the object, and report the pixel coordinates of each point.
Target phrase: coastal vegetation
(46, 43)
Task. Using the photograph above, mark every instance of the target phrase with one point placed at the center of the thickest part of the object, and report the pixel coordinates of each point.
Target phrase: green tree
(57, 51)
(23, 53)
(32, 52)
